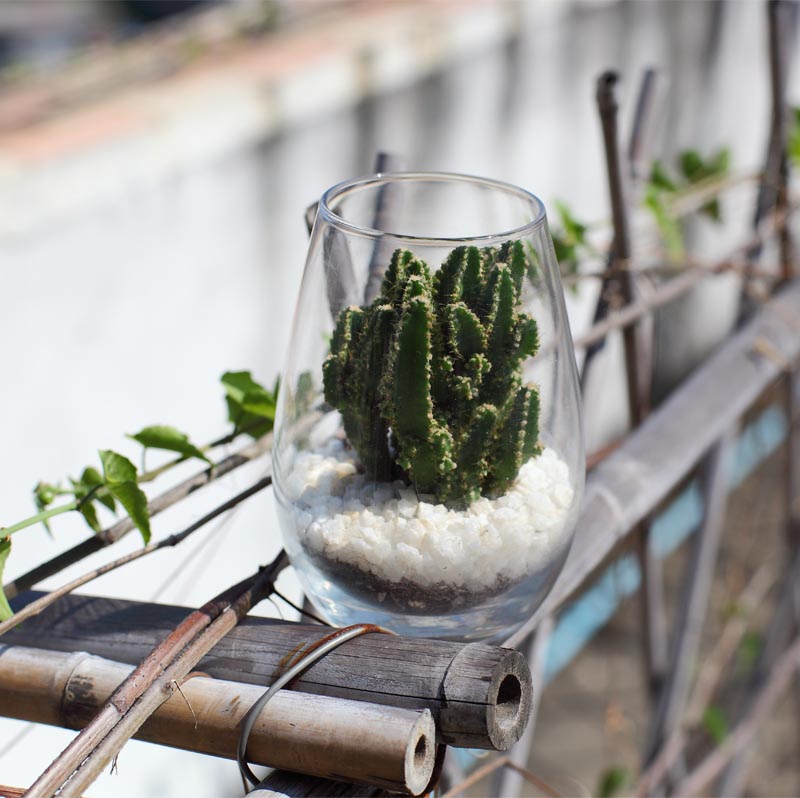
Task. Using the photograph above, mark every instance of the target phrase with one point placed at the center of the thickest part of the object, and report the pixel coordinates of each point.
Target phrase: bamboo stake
(122, 527)
(316, 735)
(48, 599)
(150, 684)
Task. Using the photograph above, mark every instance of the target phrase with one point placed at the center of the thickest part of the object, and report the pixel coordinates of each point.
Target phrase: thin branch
(150, 684)
(41, 604)
(662, 295)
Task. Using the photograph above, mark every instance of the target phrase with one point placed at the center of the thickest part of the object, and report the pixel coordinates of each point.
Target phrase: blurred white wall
(133, 277)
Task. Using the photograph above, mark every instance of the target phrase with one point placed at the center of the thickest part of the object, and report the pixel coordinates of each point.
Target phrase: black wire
(300, 609)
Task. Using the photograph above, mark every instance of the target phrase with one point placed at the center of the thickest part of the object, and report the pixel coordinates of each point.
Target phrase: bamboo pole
(316, 735)
(285, 784)
(150, 684)
(480, 695)
(281, 784)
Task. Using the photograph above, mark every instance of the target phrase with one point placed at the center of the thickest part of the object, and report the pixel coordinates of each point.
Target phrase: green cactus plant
(428, 378)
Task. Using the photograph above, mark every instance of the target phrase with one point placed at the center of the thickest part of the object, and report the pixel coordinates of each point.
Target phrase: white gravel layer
(384, 529)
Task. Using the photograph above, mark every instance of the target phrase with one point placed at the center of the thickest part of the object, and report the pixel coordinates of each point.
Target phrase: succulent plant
(428, 378)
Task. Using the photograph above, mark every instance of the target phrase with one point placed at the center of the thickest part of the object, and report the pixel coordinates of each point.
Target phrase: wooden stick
(150, 684)
(480, 695)
(641, 130)
(638, 376)
(316, 735)
(48, 599)
(726, 645)
(125, 525)
(386, 200)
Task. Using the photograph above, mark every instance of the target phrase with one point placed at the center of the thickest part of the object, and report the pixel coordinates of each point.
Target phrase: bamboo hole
(508, 702)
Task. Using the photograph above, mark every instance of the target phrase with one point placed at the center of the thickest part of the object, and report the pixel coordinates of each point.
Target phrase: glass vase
(429, 459)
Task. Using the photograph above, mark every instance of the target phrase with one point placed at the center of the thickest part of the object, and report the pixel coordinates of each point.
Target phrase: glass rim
(354, 184)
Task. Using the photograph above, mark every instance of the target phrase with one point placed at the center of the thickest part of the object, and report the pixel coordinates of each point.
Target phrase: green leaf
(88, 511)
(794, 138)
(668, 225)
(715, 723)
(569, 242)
(170, 439)
(251, 407)
(132, 498)
(611, 781)
(5, 608)
(660, 179)
(695, 169)
(691, 165)
(116, 468)
(574, 231)
(90, 478)
(44, 494)
(749, 651)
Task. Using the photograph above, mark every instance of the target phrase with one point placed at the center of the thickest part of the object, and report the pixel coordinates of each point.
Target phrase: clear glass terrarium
(428, 459)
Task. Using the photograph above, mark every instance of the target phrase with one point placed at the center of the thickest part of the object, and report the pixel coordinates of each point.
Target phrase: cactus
(428, 378)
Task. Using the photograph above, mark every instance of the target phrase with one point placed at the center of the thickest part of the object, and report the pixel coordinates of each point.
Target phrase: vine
(117, 484)
(662, 192)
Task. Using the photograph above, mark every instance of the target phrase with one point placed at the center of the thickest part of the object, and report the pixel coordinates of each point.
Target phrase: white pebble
(387, 530)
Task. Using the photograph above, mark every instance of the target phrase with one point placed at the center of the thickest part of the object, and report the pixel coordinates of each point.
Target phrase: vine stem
(7, 531)
(146, 476)
(124, 525)
(42, 603)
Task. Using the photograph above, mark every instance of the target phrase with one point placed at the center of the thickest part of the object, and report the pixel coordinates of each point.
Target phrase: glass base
(490, 620)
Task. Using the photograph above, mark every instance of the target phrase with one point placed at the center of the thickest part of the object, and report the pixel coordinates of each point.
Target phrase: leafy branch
(793, 139)
(251, 410)
(663, 189)
(570, 243)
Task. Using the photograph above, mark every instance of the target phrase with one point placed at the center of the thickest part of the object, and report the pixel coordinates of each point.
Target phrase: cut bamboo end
(421, 754)
(333, 738)
(496, 709)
